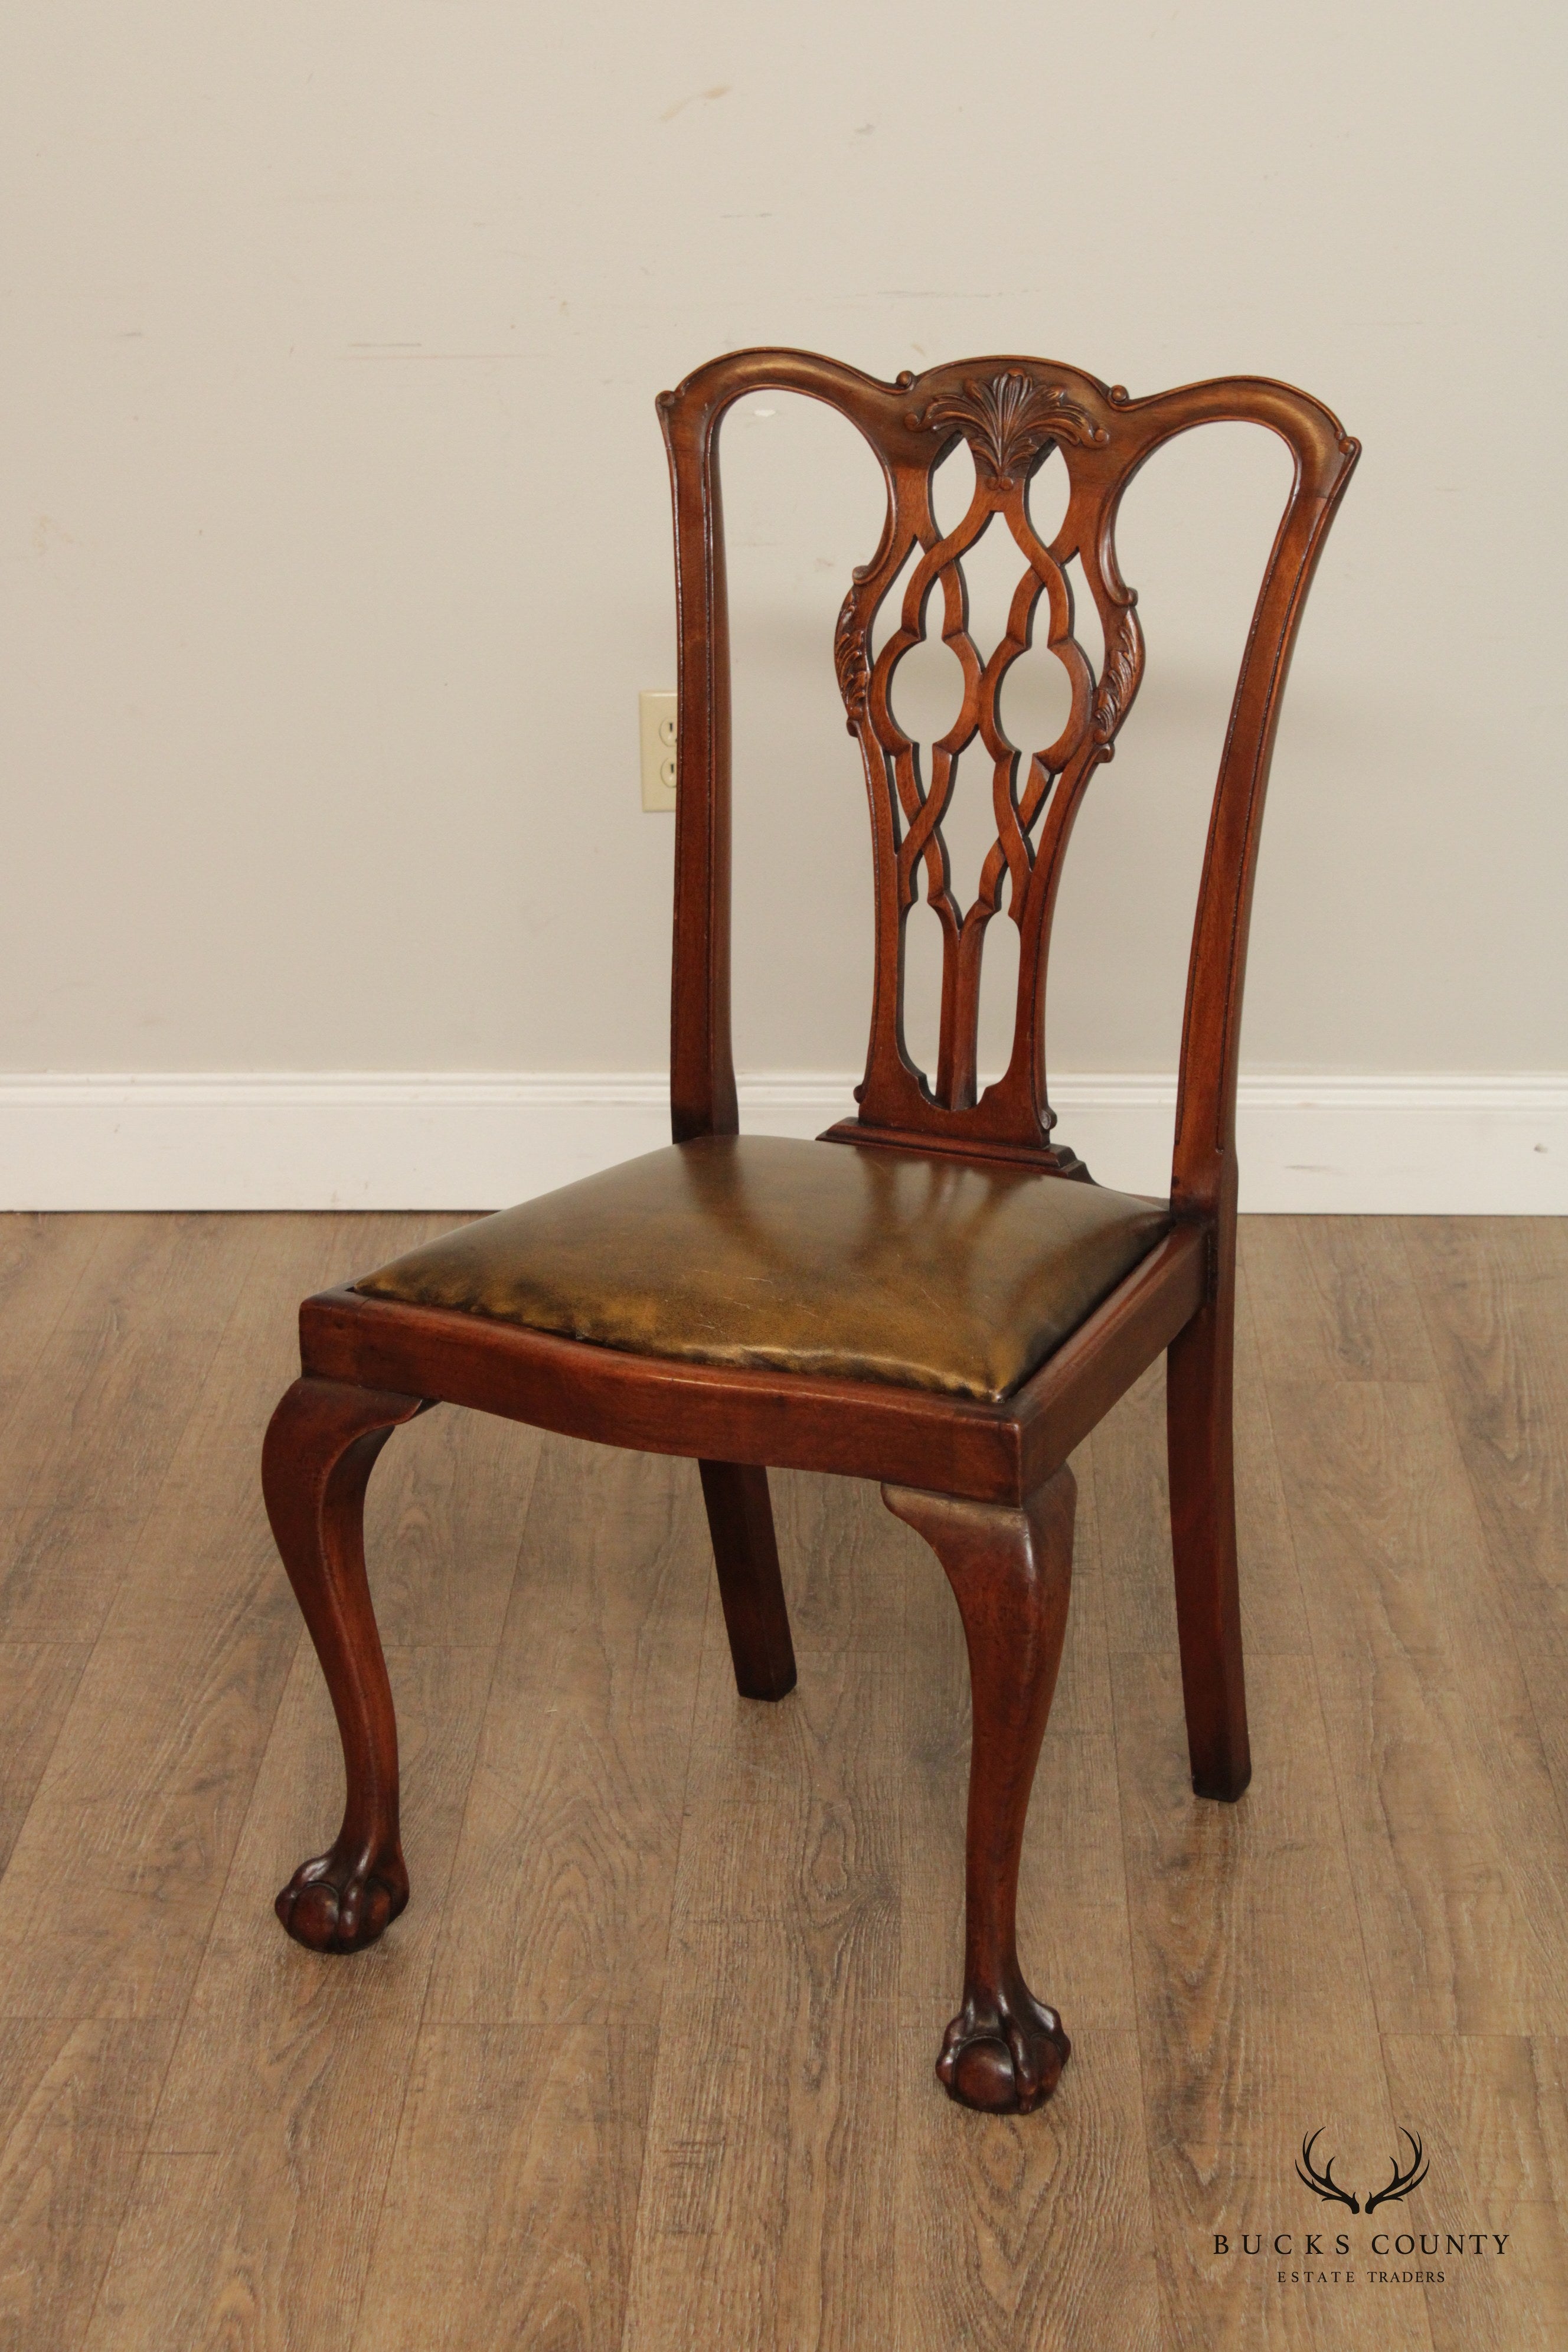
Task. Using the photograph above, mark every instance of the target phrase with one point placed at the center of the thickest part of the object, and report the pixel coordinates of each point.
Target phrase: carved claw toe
(1004, 2056)
(340, 1902)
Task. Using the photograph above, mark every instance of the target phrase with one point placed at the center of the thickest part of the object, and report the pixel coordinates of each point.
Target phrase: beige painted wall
(335, 537)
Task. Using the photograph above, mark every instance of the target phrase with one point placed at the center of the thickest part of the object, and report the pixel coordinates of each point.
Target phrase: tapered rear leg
(746, 1554)
(1010, 1571)
(1199, 1372)
(315, 1466)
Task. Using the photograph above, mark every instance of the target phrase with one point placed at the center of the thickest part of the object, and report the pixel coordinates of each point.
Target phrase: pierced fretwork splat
(1013, 414)
(1012, 422)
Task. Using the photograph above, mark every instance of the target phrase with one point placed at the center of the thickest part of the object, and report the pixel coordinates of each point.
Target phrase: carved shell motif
(1008, 420)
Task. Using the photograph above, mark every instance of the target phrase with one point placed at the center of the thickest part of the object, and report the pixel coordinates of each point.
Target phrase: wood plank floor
(648, 2062)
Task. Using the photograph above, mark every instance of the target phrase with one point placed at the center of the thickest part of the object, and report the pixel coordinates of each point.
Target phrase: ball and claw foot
(343, 1901)
(1003, 2055)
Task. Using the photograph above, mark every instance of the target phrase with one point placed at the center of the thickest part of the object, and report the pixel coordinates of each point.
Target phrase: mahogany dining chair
(934, 1294)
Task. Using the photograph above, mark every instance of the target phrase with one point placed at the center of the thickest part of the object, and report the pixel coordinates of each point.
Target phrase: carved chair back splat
(1014, 415)
(979, 1472)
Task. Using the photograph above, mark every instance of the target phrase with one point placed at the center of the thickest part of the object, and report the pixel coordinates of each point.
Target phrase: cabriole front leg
(1010, 1571)
(315, 1466)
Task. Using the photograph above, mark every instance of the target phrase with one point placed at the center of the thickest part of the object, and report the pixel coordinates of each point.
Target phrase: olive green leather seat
(811, 1257)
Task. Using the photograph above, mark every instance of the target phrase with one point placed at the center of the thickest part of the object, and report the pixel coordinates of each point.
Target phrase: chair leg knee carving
(320, 1449)
(1010, 1571)
(1203, 1544)
(746, 1555)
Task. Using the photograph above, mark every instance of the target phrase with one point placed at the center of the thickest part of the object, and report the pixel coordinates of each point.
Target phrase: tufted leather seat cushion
(925, 1272)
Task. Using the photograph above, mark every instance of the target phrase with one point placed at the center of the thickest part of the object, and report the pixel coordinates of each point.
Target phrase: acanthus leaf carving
(1008, 419)
(849, 661)
(1123, 666)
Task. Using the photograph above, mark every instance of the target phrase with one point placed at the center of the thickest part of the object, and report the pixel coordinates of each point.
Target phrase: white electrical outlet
(655, 715)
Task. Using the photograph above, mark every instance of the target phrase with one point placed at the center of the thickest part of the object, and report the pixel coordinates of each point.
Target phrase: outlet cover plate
(656, 718)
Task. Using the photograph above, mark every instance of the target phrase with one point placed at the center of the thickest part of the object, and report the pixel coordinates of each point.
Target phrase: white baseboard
(1388, 1145)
